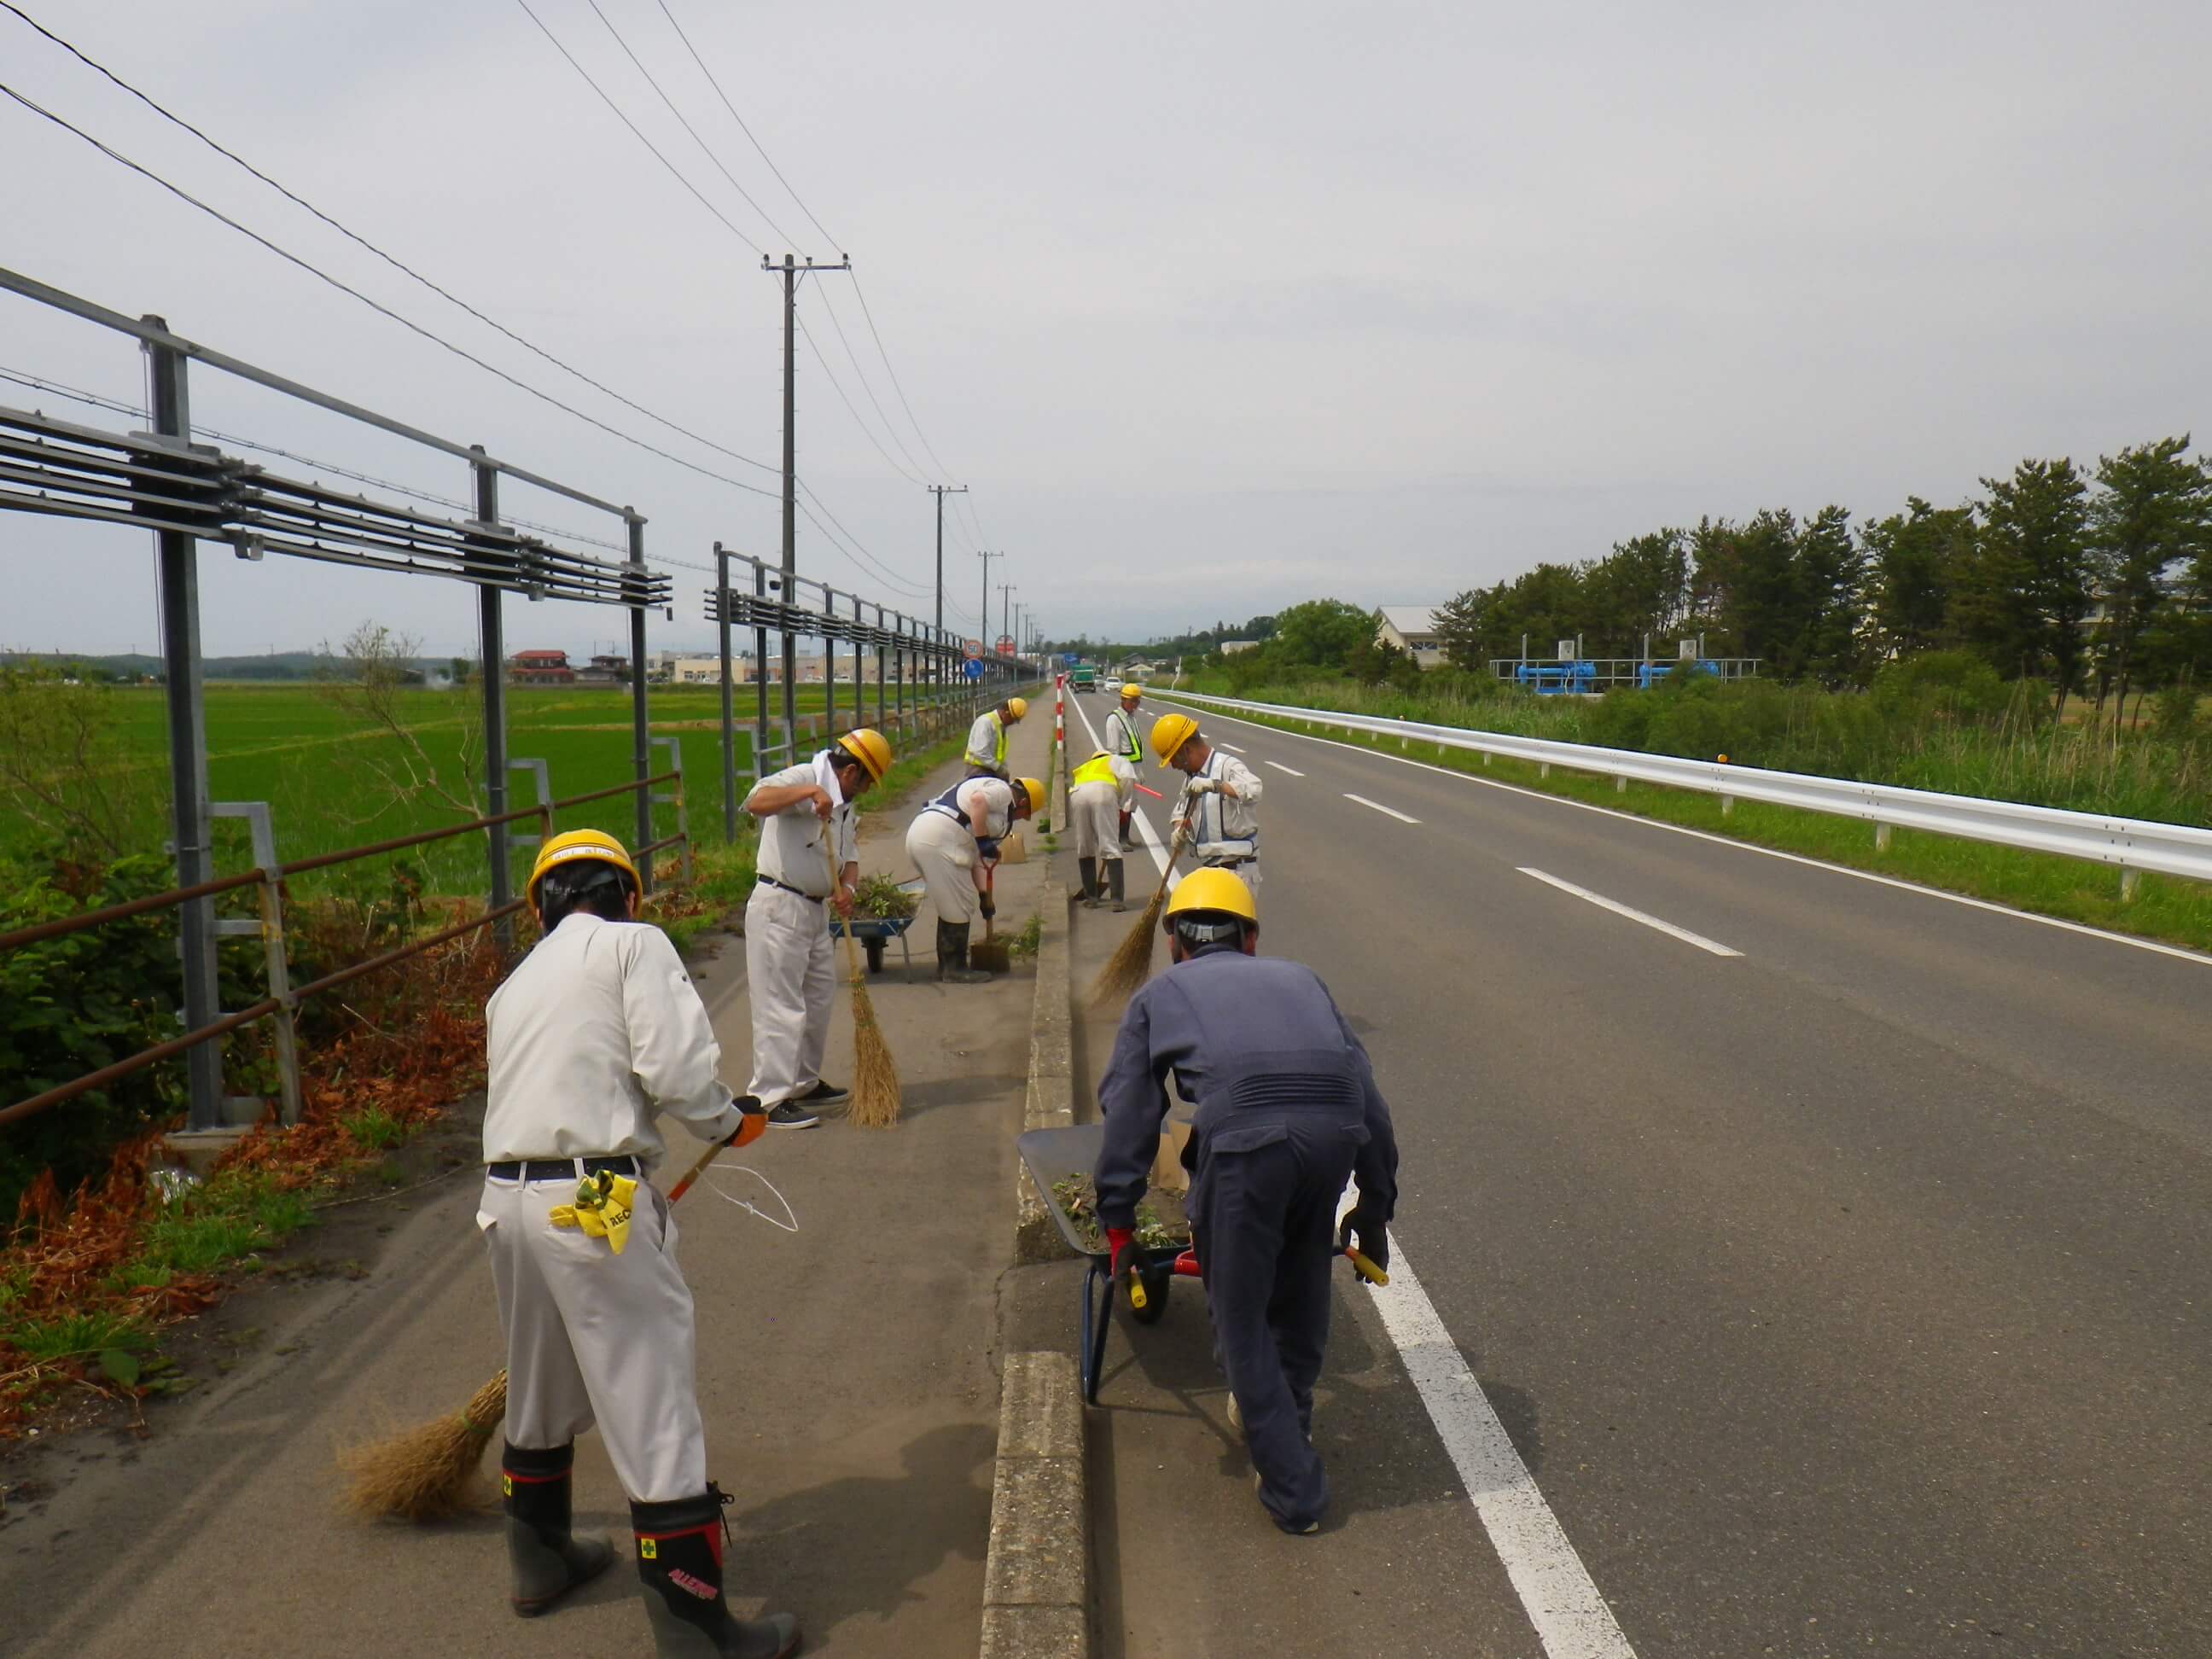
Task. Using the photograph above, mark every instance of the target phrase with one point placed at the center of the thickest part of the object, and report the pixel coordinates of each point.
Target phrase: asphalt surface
(1846, 1294)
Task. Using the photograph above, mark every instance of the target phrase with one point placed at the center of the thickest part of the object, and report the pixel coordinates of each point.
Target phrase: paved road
(1837, 1263)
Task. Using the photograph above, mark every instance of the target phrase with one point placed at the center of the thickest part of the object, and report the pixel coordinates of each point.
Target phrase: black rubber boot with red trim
(548, 1561)
(679, 1558)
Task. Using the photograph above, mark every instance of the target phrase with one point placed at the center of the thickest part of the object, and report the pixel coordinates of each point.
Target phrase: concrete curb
(1037, 1579)
(1051, 1099)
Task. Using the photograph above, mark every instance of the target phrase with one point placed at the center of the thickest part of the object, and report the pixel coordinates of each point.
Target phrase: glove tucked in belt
(602, 1209)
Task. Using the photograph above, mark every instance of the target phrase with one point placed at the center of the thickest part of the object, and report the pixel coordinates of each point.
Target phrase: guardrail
(2129, 845)
(285, 998)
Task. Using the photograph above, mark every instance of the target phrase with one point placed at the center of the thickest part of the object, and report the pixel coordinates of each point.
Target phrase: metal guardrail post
(537, 769)
(178, 556)
(641, 751)
(675, 798)
(491, 650)
(729, 710)
(760, 681)
(269, 930)
(829, 656)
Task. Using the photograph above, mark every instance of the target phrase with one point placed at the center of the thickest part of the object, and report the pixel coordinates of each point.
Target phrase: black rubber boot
(1114, 882)
(952, 955)
(1125, 841)
(1088, 870)
(679, 1558)
(547, 1561)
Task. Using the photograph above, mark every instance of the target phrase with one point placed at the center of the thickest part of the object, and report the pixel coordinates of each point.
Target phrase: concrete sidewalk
(846, 1374)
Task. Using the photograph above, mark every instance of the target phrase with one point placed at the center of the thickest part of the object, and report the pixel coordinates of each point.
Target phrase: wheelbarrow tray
(1053, 1155)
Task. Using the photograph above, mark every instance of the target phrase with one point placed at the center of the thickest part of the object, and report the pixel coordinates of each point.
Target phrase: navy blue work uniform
(1287, 1110)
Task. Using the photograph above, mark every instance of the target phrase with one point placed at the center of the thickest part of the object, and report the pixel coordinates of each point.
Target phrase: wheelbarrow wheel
(1095, 1298)
(874, 947)
(1154, 1277)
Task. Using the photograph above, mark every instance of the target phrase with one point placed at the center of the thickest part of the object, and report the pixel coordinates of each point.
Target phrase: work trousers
(1263, 1210)
(592, 1335)
(1096, 810)
(945, 855)
(1248, 872)
(790, 980)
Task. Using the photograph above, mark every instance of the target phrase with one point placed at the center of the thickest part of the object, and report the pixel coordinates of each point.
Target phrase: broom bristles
(1131, 965)
(875, 1078)
(423, 1473)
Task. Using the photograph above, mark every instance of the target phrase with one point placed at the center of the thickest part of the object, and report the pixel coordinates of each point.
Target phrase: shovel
(992, 954)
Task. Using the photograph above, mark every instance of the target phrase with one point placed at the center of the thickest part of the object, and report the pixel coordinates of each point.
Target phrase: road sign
(1005, 645)
(973, 649)
(1069, 657)
(974, 668)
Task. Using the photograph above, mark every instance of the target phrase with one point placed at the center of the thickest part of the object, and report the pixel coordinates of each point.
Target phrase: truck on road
(1084, 676)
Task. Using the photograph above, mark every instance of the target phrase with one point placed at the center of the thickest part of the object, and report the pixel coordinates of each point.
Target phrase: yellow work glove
(602, 1208)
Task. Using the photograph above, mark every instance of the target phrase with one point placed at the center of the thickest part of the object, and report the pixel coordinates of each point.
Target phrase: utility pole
(1007, 592)
(793, 274)
(983, 610)
(941, 491)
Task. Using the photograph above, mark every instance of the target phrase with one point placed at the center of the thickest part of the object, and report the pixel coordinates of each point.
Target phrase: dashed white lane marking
(1621, 909)
(1387, 811)
(2201, 958)
(1231, 747)
(1147, 837)
(1556, 1590)
(1279, 766)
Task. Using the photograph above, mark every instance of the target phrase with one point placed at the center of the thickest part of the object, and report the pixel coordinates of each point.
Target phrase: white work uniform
(1095, 807)
(1226, 833)
(1122, 736)
(595, 1031)
(790, 971)
(986, 739)
(944, 849)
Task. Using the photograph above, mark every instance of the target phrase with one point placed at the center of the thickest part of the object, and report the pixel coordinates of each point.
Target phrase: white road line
(1621, 909)
(1387, 811)
(2199, 957)
(1556, 1590)
(1231, 747)
(1148, 837)
(1279, 766)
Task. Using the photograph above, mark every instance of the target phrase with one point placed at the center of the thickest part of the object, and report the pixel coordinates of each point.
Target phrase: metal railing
(2131, 846)
(284, 1000)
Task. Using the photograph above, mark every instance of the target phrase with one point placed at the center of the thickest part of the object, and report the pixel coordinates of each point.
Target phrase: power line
(808, 335)
(686, 125)
(397, 265)
(742, 127)
(896, 386)
(874, 400)
(635, 131)
(382, 310)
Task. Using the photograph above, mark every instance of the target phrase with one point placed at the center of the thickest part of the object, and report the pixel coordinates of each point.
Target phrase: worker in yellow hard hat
(1286, 1112)
(954, 843)
(1100, 793)
(986, 738)
(595, 1033)
(1218, 810)
(1123, 742)
(789, 972)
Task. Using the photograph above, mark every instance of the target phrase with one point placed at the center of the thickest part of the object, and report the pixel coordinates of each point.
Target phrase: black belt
(556, 1169)
(771, 881)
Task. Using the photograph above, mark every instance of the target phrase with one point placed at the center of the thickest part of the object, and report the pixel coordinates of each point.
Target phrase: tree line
(2098, 582)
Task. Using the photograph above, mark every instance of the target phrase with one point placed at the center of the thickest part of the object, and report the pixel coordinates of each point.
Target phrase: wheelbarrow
(872, 933)
(1141, 1287)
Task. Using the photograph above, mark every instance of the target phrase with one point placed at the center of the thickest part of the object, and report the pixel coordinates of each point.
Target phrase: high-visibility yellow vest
(1099, 768)
(1128, 726)
(998, 744)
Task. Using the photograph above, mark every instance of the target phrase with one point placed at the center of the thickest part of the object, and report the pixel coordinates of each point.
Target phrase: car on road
(1112, 682)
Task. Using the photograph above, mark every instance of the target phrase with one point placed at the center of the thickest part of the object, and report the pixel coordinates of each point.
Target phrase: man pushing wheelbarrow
(1287, 1112)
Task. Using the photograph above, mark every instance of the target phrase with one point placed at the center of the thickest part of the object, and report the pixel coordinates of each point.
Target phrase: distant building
(1231, 647)
(605, 668)
(1412, 629)
(540, 668)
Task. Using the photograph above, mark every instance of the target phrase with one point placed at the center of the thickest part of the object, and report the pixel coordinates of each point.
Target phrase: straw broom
(423, 1473)
(1131, 965)
(875, 1078)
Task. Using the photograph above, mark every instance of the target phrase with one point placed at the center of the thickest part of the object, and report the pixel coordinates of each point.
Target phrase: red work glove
(1119, 1239)
(752, 1123)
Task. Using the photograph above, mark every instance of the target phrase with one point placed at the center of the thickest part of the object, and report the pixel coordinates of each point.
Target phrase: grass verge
(2167, 909)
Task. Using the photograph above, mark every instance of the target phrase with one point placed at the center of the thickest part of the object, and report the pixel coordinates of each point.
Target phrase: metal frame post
(269, 929)
(640, 747)
(491, 652)
(177, 554)
(760, 681)
(883, 657)
(729, 707)
(829, 659)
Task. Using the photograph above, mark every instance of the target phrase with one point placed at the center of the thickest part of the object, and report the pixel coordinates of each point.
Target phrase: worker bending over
(596, 1030)
(1099, 793)
(1122, 740)
(1220, 800)
(986, 738)
(954, 842)
(1287, 1110)
(790, 976)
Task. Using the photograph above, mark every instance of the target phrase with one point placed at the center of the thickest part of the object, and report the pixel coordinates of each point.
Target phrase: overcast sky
(1214, 306)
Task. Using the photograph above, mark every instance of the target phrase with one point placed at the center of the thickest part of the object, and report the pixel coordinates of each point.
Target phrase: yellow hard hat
(571, 845)
(1169, 733)
(1018, 707)
(1217, 892)
(1034, 789)
(866, 744)
(1131, 691)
